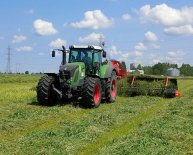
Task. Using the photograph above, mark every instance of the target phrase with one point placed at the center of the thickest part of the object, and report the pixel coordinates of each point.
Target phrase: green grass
(18, 78)
(138, 125)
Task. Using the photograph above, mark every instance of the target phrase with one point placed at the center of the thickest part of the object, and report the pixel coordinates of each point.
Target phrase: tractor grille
(65, 74)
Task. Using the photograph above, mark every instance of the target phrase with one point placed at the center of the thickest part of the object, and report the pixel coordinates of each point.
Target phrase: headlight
(82, 74)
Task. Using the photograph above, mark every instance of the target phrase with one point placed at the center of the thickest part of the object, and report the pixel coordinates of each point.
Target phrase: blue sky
(135, 31)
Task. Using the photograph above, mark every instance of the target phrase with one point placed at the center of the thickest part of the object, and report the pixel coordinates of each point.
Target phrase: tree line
(161, 69)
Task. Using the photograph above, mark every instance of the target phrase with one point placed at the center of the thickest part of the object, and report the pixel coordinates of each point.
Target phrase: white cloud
(93, 37)
(168, 16)
(18, 38)
(58, 43)
(113, 50)
(155, 61)
(150, 36)
(118, 54)
(126, 17)
(155, 46)
(175, 57)
(181, 30)
(140, 47)
(93, 20)
(138, 53)
(44, 27)
(24, 49)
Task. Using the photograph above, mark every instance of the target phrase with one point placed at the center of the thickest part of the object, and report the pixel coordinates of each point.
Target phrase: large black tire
(111, 88)
(92, 92)
(45, 93)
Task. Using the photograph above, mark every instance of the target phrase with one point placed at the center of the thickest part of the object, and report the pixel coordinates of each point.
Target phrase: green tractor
(84, 76)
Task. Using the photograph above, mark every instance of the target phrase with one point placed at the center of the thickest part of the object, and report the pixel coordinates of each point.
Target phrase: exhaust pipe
(64, 55)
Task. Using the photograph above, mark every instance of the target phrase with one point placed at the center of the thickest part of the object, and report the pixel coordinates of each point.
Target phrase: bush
(123, 88)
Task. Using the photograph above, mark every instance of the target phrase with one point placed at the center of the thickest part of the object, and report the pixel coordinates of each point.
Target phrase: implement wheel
(92, 92)
(45, 93)
(169, 93)
(111, 88)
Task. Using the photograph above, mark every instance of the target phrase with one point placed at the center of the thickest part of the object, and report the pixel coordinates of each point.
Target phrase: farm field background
(131, 125)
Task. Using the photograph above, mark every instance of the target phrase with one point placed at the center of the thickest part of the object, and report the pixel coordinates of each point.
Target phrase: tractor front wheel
(92, 92)
(45, 93)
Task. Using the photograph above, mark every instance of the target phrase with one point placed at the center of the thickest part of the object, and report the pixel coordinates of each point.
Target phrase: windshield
(79, 55)
(91, 58)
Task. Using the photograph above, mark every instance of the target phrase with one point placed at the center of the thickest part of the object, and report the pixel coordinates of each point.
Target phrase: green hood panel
(77, 72)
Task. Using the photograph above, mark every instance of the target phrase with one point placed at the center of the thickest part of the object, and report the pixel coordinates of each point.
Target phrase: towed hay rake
(149, 85)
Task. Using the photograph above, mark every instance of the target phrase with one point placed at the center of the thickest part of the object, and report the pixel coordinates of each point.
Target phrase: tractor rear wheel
(92, 92)
(111, 88)
(45, 93)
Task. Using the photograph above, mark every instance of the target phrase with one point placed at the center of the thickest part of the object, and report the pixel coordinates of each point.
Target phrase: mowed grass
(138, 125)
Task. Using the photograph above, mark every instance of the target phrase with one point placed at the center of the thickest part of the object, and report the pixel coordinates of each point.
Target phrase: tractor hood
(68, 70)
(72, 71)
(69, 67)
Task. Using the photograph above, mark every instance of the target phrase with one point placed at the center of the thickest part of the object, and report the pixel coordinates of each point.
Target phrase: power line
(17, 69)
(8, 69)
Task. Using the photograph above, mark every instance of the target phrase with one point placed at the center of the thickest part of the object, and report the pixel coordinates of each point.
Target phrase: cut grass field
(138, 125)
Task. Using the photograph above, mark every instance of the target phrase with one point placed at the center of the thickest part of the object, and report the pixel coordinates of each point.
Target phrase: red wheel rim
(97, 94)
(113, 88)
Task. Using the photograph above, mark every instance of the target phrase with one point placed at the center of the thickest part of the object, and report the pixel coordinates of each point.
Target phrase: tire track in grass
(54, 122)
(51, 122)
(126, 128)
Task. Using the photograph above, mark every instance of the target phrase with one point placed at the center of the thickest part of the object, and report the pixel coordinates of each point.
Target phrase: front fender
(52, 74)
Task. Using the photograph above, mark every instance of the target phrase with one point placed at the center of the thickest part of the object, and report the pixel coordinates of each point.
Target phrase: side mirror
(104, 54)
(53, 53)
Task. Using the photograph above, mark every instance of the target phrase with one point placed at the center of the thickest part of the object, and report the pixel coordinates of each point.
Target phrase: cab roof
(86, 46)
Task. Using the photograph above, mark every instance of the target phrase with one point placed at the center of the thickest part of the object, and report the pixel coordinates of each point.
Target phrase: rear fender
(106, 71)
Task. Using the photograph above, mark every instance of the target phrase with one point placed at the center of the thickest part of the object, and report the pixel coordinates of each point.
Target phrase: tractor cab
(91, 56)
